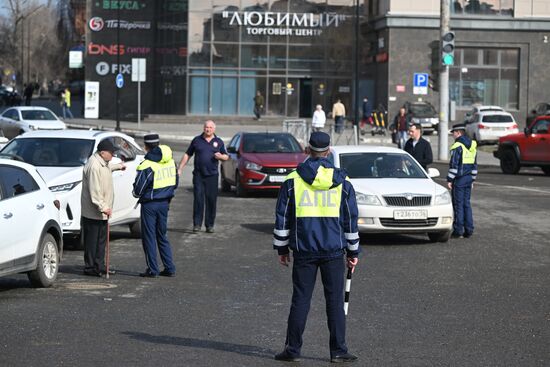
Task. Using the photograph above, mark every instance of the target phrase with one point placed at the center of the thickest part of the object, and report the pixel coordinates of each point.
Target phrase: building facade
(501, 58)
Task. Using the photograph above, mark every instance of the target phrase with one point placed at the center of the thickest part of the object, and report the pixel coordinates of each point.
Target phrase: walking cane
(107, 257)
(348, 288)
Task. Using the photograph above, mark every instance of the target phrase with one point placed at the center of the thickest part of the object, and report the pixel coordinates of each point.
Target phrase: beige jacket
(97, 187)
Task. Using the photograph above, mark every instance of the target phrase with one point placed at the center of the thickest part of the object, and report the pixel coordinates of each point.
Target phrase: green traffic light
(448, 60)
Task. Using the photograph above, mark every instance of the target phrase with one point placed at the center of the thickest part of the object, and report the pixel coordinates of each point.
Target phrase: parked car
(531, 148)
(489, 125)
(480, 108)
(9, 96)
(394, 193)
(260, 161)
(19, 120)
(32, 240)
(60, 156)
(541, 109)
(424, 114)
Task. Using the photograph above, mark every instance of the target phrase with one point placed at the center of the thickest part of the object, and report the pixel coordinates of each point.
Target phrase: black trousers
(205, 196)
(93, 233)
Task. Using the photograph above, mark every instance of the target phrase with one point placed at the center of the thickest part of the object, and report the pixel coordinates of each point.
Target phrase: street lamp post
(117, 128)
(356, 72)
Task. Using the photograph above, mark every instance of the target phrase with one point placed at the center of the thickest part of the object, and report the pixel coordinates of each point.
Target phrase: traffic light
(448, 49)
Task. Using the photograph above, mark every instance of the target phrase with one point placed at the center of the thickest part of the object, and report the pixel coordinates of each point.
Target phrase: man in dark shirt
(208, 150)
(419, 147)
(400, 126)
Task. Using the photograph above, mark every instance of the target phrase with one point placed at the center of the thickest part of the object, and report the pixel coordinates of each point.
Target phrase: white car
(32, 239)
(481, 108)
(60, 156)
(394, 193)
(19, 120)
(489, 126)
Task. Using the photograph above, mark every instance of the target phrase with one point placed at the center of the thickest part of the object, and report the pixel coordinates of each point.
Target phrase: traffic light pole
(444, 87)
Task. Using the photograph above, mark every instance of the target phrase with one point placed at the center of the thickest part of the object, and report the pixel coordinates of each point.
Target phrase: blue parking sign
(119, 81)
(420, 83)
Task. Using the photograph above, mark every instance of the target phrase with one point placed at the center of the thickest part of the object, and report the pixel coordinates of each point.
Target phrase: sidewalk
(186, 132)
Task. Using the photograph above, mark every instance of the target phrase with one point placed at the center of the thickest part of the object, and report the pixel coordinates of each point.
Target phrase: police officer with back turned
(155, 184)
(460, 180)
(316, 217)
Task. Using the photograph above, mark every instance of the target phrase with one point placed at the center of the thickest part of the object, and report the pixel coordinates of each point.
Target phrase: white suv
(32, 240)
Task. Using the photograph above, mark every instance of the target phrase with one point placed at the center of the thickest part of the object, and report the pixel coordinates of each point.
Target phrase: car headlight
(365, 199)
(443, 199)
(252, 166)
(64, 187)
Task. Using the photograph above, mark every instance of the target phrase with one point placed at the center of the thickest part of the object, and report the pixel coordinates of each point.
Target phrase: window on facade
(485, 76)
(483, 7)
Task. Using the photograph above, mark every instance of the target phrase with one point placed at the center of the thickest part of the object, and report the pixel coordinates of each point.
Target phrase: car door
(540, 144)
(123, 181)
(22, 214)
(230, 166)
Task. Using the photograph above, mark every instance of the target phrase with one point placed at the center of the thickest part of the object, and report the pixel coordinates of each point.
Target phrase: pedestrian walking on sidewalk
(319, 119)
(400, 127)
(155, 183)
(460, 180)
(316, 215)
(338, 114)
(208, 150)
(66, 103)
(97, 200)
(258, 105)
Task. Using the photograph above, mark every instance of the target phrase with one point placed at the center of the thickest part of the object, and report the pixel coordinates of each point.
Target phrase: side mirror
(433, 172)
(526, 131)
(231, 150)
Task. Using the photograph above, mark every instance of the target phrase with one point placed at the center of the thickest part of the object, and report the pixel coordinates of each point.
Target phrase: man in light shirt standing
(338, 114)
(319, 119)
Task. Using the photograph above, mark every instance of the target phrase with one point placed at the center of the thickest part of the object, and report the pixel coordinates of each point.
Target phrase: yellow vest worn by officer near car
(156, 180)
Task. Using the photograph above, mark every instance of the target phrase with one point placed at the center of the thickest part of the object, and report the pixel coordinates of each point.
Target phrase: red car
(528, 149)
(260, 161)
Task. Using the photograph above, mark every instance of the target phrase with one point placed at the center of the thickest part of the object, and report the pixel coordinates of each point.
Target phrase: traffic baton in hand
(348, 288)
(107, 256)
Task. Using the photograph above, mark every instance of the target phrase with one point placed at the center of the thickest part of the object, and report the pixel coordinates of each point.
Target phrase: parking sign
(119, 81)
(420, 83)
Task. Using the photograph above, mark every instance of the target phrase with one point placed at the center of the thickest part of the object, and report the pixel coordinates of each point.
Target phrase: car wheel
(546, 170)
(135, 229)
(509, 163)
(47, 265)
(226, 186)
(240, 190)
(439, 236)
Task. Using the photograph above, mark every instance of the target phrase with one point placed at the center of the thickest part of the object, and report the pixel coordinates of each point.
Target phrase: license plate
(410, 214)
(276, 178)
(498, 128)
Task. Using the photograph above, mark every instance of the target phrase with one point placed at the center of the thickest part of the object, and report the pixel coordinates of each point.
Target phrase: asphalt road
(482, 301)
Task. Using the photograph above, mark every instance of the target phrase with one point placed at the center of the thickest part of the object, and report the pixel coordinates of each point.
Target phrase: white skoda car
(394, 193)
(60, 156)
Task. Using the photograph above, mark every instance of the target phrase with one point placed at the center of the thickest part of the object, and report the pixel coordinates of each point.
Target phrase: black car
(424, 114)
(541, 109)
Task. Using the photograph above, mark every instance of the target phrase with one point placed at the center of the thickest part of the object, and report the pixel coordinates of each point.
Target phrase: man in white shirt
(319, 119)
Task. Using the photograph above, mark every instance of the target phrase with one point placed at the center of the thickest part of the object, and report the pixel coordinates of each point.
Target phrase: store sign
(98, 49)
(96, 24)
(276, 89)
(283, 24)
(75, 59)
(102, 68)
(91, 100)
(121, 4)
(176, 27)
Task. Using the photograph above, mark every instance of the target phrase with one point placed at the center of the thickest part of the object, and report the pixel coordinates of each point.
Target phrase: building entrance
(306, 104)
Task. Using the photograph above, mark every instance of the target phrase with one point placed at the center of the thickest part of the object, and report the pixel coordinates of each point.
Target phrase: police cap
(151, 138)
(319, 141)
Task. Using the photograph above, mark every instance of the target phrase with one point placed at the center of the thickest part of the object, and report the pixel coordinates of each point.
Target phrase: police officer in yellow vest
(460, 180)
(316, 217)
(155, 184)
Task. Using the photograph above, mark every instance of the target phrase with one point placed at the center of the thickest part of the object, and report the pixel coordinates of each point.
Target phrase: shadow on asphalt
(247, 350)
(260, 227)
(393, 240)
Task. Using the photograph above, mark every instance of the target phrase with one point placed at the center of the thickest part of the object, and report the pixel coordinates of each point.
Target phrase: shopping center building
(210, 57)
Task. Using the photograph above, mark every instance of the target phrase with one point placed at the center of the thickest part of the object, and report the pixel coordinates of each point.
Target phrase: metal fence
(301, 130)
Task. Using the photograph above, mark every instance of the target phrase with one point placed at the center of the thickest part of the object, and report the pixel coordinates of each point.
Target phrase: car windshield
(50, 152)
(270, 143)
(422, 109)
(37, 115)
(497, 118)
(380, 165)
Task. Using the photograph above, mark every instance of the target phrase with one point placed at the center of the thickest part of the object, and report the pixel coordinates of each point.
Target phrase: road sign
(420, 83)
(119, 81)
(138, 70)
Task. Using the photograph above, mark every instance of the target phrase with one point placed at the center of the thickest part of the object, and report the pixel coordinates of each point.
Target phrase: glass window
(225, 55)
(300, 57)
(509, 89)
(254, 56)
(380, 165)
(223, 31)
(16, 181)
(199, 27)
(198, 86)
(200, 5)
(490, 57)
(471, 56)
(51, 151)
(312, 6)
(199, 54)
(38, 115)
(254, 5)
(277, 57)
(224, 96)
(509, 58)
(483, 7)
(276, 96)
(247, 91)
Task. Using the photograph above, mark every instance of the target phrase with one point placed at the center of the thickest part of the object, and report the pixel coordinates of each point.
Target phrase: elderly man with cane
(97, 200)
(316, 217)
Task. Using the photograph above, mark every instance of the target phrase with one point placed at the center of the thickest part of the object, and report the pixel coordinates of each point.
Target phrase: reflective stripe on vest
(164, 173)
(316, 203)
(468, 155)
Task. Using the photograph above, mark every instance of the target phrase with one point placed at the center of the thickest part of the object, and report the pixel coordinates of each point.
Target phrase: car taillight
(514, 126)
(57, 204)
(481, 126)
